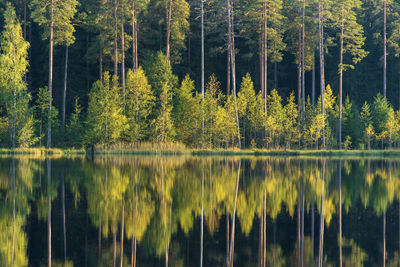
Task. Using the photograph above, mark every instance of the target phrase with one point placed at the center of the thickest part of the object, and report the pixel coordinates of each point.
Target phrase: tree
(246, 106)
(163, 125)
(392, 126)
(176, 22)
(56, 15)
(351, 39)
(290, 121)
(105, 119)
(13, 66)
(159, 72)
(75, 127)
(187, 112)
(140, 101)
(211, 102)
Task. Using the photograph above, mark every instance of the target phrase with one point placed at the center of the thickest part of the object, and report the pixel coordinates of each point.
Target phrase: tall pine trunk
(202, 66)
(134, 39)
(123, 60)
(384, 47)
(51, 46)
(341, 85)
(168, 34)
(321, 63)
(231, 44)
(303, 69)
(64, 93)
(115, 9)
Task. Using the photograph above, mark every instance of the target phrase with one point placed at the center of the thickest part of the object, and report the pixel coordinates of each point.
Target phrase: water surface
(187, 211)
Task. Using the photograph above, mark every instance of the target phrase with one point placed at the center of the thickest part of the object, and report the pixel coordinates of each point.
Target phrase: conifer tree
(55, 16)
(351, 41)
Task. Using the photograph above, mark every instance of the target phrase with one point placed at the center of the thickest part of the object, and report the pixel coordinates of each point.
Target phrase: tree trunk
(341, 84)
(384, 48)
(202, 66)
(101, 64)
(231, 42)
(321, 63)
(168, 34)
(123, 61)
(303, 68)
(64, 94)
(115, 9)
(50, 71)
(313, 84)
(276, 75)
(134, 40)
(228, 69)
(265, 55)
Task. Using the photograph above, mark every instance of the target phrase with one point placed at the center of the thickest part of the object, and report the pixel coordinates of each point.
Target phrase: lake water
(188, 211)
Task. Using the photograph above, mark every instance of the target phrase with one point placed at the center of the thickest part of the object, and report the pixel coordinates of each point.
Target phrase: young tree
(187, 112)
(351, 39)
(246, 106)
(290, 127)
(366, 121)
(13, 64)
(163, 125)
(55, 16)
(75, 127)
(105, 118)
(380, 114)
(140, 101)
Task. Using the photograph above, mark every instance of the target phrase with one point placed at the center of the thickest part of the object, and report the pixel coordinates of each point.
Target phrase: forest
(259, 74)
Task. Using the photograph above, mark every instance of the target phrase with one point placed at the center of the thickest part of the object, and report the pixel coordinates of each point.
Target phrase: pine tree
(55, 16)
(13, 66)
(351, 40)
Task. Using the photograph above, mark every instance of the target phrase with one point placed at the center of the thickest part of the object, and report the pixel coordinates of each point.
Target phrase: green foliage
(159, 73)
(163, 125)
(140, 101)
(105, 118)
(187, 113)
(75, 127)
(61, 13)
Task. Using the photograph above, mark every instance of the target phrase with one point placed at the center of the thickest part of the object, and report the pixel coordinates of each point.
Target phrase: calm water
(249, 210)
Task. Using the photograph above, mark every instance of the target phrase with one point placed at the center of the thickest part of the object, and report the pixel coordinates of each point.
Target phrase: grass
(180, 149)
(41, 151)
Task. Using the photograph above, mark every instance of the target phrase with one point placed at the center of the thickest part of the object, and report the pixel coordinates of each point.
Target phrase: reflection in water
(180, 211)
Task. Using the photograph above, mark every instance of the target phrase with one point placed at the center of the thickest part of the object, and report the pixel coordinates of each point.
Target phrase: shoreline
(200, 152)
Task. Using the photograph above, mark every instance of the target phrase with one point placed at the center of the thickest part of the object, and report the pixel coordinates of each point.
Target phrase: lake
(188, 211)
